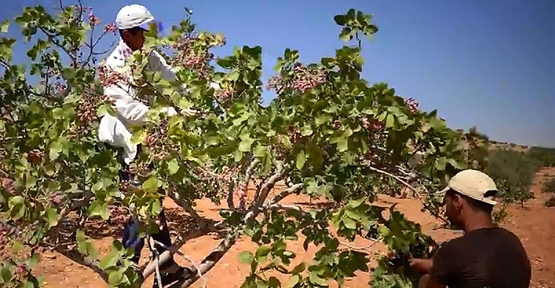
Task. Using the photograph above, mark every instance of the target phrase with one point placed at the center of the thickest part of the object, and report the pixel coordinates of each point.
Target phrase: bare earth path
(534, 224)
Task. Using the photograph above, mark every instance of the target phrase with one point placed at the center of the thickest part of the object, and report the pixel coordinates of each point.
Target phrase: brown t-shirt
(483, 258)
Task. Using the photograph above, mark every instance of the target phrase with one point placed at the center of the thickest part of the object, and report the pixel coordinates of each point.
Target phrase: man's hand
(422, 266)
(170, 111)
(160, 224)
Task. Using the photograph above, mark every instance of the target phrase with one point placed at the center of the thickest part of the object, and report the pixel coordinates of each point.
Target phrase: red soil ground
(534, 224)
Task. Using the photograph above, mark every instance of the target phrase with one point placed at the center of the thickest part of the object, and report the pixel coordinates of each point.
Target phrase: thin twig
(398, 179)
(365, 248)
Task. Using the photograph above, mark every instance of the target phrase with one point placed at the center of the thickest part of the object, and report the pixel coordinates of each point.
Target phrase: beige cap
(474, 184)
(132, 16)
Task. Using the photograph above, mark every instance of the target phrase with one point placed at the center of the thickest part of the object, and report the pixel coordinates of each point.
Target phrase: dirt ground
(534, 224)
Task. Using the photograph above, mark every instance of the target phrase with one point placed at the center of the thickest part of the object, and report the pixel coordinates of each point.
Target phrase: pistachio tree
(328, 133)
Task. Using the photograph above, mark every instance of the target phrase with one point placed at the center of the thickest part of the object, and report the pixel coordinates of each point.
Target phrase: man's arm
(132, 111)
(439, 271)
(422, 266)
(158, 63)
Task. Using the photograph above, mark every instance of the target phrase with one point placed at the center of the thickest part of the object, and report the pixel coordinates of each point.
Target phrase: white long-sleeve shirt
(129, 110)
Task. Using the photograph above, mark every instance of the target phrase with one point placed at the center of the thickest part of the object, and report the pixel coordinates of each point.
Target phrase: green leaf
(34, 260)
(300, 159)
(294, 280)
(105, 109)
(173, 166)
(17, 207)
(6, 273)
(83, 245)
(316, 279)
(109, 260)
(299, 268)
(232, 76)
(306, 131)
(15, 200)
(115, 278)
(340, 20)
(345, 34)
(354, 203)
(440, 164)
(246, 143)
(342, 143)
(55, 149)
(273, 282)
(51, 217)
(150, 185)
(156, 77)
(5, 26)
(99, 208)
(348, 222)
(262, 253)
(246, 257)
(16, 247)
(80, 236)
(260, 151)
(389, 121)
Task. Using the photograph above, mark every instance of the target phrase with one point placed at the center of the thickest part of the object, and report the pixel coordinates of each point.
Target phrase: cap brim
(145, 26)
(488, 201)
(443, 191)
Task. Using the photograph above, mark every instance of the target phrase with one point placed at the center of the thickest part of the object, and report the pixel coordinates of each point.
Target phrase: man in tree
(132, 21)
(486, 256)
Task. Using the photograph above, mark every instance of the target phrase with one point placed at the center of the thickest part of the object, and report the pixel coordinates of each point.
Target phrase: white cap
(133, 15)
(473, 184)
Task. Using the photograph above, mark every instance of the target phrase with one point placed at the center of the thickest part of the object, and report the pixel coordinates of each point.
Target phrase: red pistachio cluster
(110, 28)
(412, 105)
(108, 76)
(193, 53)
(119, 214)
(8, 185)
(304, 79)
(372, 124)
(93, 20)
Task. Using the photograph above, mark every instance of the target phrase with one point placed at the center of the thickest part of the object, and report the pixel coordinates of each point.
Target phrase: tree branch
(248, 176)
(230, 189)
(267, 187)
(291, 190)
(176, 197)
(416, 192)
(216, 255)
(84, 261)
(167, 255)
(209, 261)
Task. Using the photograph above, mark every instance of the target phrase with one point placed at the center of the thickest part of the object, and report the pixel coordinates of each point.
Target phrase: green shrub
(514, 172)
(550, 202)
(549, 186)
(546, 156)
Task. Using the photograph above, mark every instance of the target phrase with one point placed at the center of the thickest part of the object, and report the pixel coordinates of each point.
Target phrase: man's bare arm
(422, 266)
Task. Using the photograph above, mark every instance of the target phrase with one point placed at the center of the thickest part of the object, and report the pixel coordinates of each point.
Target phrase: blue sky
(484, 63)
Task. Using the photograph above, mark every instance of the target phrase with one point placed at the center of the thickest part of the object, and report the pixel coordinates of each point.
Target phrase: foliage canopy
(328, 133)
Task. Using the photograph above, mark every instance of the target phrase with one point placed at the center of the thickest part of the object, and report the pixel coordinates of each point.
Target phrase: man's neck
(478, 222)
(128, 46)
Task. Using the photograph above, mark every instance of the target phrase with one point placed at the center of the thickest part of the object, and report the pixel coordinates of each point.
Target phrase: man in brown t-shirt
(486, 256)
